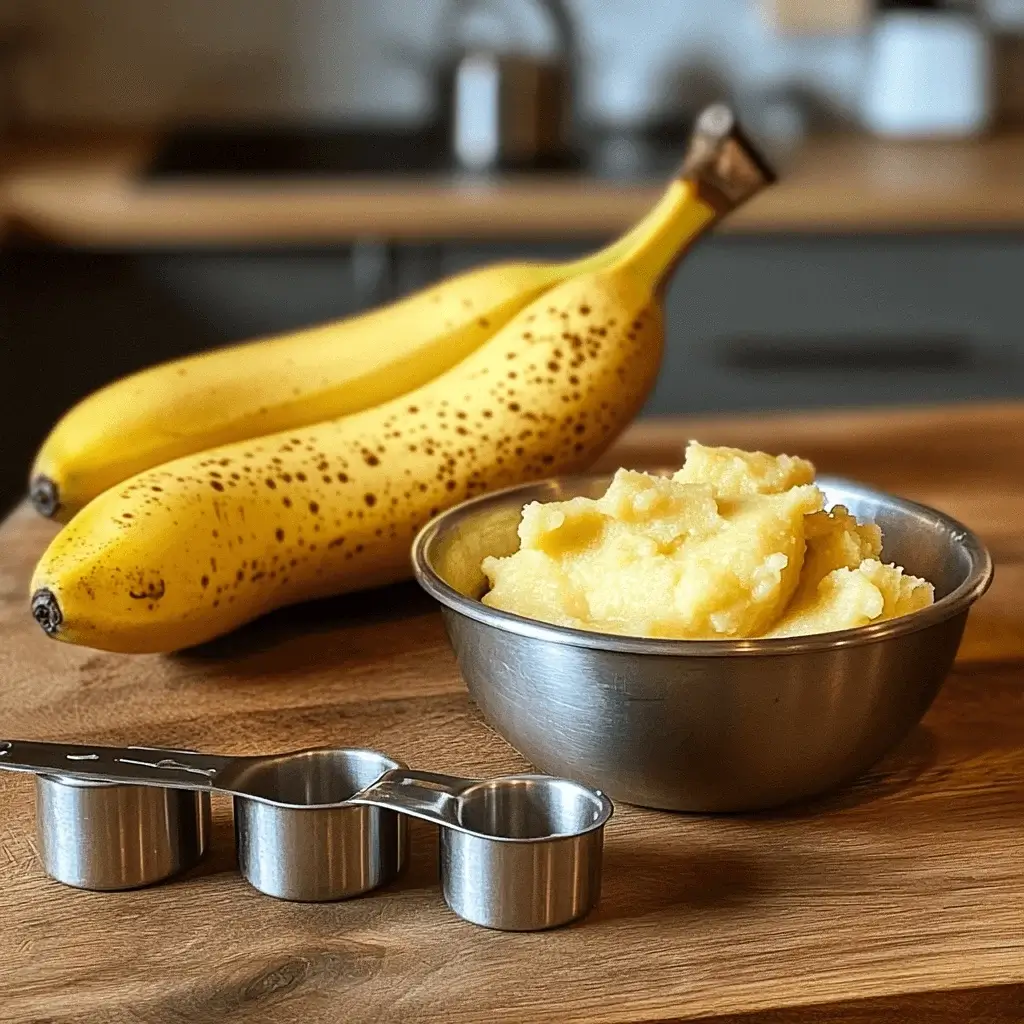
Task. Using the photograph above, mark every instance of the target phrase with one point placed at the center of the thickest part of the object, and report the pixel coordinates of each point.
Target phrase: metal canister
(110, 836)
(509, 112)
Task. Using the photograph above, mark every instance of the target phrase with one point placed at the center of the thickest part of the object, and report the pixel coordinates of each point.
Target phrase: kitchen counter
(89, 192)
(898, 898)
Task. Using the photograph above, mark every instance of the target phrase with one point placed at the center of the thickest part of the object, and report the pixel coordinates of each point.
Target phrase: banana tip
(44, 495)
(46, 611)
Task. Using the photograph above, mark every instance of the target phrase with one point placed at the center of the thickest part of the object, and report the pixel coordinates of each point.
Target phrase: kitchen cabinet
(823, 322)
(802, 322)
(752, 322)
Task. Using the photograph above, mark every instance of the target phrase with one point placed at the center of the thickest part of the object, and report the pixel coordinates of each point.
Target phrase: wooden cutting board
(900, 898)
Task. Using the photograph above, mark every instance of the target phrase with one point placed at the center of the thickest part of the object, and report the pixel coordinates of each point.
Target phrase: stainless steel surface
(703, 725)
(270, 778)
(507, 106)
(295, 843)
(508, 111)
(518, 853)
(153, 766)
(107, 836)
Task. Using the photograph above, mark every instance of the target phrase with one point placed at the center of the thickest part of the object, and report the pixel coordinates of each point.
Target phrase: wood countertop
(88, 193)
(897, 899)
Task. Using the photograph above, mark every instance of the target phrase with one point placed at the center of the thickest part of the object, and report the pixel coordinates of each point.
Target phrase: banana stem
(684, 215)
(722, 170)
(626, 242)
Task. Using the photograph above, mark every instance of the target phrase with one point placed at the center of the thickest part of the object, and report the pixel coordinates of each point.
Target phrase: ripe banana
(280, 383)
(189, 550)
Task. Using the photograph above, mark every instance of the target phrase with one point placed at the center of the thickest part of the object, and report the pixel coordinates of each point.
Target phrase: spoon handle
(426, 795)
(153, 766)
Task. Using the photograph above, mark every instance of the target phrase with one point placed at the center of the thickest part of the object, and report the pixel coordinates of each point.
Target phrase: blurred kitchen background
(177, 174)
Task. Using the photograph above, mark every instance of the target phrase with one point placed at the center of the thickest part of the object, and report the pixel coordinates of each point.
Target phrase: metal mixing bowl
(734, 725)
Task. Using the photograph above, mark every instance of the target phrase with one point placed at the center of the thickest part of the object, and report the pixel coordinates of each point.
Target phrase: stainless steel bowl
(702, 725)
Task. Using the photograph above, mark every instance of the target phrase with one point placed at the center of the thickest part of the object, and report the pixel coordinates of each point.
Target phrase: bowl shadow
(638, 881)
(643, 880)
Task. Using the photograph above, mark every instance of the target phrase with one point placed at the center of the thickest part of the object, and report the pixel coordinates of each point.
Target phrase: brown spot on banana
(153, 592)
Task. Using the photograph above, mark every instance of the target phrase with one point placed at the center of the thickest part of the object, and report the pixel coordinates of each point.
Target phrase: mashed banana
(736, 544)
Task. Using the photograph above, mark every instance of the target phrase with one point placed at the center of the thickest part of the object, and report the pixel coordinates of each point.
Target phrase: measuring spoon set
(518, 852)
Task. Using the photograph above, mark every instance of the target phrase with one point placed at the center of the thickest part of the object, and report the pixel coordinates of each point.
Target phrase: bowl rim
(954, 603)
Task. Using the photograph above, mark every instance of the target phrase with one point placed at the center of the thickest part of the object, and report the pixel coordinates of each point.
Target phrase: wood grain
(896, 899)
(88, 193)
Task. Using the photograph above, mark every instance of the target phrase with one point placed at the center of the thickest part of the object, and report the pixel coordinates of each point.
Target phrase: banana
(192, 549)
(275, 384)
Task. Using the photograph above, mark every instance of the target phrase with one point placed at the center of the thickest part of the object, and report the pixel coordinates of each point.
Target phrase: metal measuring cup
(300, 838)
(297, 837)
(517, 853)
(521, 852)
(107, 836)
